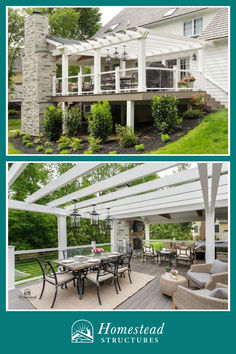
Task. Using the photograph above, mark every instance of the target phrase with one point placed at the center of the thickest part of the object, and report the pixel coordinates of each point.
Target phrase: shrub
(26, 137)
(126, 136)
(165, 113)
(100, 121)
(47, 144)
(199, 100)
(37, 140)
(64, 152)
(52, 123)
(48, 151)
(76, 144)
(195, 113)
(88, 152)
(114, 152)
(94, 144)
(73, 121)
(64, 143)
(39, 148)
(29, 144)
(12, 112)
(16, 134)
(139, 147)
(165, 138)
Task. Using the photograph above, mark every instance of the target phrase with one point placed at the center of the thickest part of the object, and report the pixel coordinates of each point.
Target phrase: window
(170, 12)
(107, 68)
(112, 27)
(185, 66)
(195, 229)
(170, 63)
(217, 229)
(193, 27)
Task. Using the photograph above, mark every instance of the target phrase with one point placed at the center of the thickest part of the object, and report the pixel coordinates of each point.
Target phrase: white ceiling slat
(203, 173)
(179, 191)
(16, 169)
(66, 178)
(216, 171)
(18, 205)
(137, 172)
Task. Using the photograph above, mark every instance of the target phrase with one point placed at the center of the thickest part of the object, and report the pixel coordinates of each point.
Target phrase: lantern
(108, 57)
(75, 217)
(108, 221)
(116, 54)
(94, 217)
(124, 55)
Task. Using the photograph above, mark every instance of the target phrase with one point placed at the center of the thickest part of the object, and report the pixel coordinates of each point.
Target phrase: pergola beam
(38, 208)
(15, 171)
(68, 177)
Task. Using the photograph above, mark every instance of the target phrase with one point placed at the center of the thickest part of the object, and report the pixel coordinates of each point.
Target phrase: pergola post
(117, 78)
(175, 78)
(130, 114)
(142, 64)
(210, 236)
(200, 59)
(97, 71)
(113, 237)
(122, 67)
(11, 267)
(65, 67)
(62, 235)
(63, 107)
(147, 233)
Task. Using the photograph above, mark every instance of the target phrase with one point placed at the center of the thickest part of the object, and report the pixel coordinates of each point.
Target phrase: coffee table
(169, 285)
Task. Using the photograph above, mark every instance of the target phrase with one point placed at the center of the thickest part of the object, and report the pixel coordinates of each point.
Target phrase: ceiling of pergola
(177, 197)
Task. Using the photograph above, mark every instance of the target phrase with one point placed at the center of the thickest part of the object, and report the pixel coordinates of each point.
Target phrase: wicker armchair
(188, 299)
(200, 275)
(184, 256)
(149, 253)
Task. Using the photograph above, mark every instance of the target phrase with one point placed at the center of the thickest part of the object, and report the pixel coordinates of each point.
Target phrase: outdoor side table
(165, 257)
(169, 285)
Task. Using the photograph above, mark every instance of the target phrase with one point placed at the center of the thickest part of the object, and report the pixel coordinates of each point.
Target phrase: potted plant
(186, 81)
(174, 273)
(168, 269)
(97, 251)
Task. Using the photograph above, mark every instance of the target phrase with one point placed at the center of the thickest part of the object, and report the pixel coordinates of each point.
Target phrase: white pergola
(198, 193)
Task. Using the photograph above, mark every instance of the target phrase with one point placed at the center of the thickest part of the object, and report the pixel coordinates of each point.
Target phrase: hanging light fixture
(108, 221)
(94, 217)
(116, 54)
(108, 57)
(75, 217)
(124, 54)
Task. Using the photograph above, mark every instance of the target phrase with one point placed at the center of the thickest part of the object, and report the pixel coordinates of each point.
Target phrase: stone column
(38, 69)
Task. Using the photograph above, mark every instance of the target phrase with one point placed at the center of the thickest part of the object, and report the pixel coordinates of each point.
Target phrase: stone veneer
(38, 69)
(122, 232)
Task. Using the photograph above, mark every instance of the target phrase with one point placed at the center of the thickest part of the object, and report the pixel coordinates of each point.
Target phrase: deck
(148, 298)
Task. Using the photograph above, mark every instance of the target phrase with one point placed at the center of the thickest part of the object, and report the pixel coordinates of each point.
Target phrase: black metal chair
(123, 266)
(125, 249)
(149, 253)
(106, 270)
(57, 279)
(184, 255)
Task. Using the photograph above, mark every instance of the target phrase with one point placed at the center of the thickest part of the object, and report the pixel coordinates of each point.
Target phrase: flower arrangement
(174, 273)
(168, 269)
(97, 250)
(185, 81)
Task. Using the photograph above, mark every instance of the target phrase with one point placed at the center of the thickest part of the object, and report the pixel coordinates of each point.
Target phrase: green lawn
(13, 124)
(209, 137)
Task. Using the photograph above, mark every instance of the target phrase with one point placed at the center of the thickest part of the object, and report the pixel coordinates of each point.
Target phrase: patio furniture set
(78, 268)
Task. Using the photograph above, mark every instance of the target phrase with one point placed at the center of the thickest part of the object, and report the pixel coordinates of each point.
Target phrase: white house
(140, 53)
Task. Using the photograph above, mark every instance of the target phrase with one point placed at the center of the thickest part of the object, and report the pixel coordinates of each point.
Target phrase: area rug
(67, 299)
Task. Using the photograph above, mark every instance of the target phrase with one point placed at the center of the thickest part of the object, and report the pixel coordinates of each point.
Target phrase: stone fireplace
(129, 234)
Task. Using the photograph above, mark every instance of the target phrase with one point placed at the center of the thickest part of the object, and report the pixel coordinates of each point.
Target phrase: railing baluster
(117, 79)
(79, 84)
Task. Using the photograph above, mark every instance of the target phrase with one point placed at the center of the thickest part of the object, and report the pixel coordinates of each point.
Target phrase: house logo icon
(82, 332)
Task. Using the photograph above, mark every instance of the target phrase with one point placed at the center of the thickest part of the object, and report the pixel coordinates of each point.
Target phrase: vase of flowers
(97, 251)
(168, 269)
(186, 81)
(174, 273)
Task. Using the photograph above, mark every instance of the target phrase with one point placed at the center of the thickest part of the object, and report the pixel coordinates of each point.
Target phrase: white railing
(121, 80)
(12, 253)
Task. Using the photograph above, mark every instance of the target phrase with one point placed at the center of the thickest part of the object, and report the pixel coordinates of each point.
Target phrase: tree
(64, 22)
(179, 231)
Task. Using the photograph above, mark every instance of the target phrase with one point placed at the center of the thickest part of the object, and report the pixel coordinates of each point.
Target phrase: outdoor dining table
(82, 263)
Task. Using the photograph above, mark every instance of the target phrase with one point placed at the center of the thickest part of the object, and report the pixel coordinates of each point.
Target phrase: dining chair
(57, 279)
(123, 266)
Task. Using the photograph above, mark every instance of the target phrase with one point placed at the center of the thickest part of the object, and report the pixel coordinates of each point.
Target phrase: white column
(175, 77)
(65, 67)
(113, 237)
(11, 267)
(79, 83)
(200, 60)
(62, 235)
(81, 70)
(122, 67)
(130, 114)
(54, 89)
(142, 64)
(210, 236)
(63, 107)
(117, 78)
(97, 70)
(147, 233)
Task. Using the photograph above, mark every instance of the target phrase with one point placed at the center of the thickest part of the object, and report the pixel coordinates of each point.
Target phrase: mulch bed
(150, 138)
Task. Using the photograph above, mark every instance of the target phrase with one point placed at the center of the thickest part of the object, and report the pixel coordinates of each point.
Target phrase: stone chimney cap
(37, 12)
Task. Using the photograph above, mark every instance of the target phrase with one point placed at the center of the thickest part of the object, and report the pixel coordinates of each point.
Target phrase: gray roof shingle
(218, 27)
(62, 40)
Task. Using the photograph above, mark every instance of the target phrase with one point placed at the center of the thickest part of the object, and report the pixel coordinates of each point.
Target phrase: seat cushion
(61, 278)
(122, 269)
(204, 292)
(219, 267)
(199, 278)
(219, 293)
(93, 277)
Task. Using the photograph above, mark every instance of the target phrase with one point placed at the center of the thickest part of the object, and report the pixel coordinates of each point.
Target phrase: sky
(108, 12)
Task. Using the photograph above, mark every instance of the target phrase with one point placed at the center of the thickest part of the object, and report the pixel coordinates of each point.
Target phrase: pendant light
(108, 221)
(94, 217)
(124, 54)
(75, 217)
(108, 57)
(116, 54)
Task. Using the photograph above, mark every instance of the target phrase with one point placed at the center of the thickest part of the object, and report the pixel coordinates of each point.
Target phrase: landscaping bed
(149, 137)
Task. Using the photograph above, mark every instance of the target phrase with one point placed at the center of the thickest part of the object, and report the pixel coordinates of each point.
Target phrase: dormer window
(170, 12)
(193, 27)
(111, 28)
